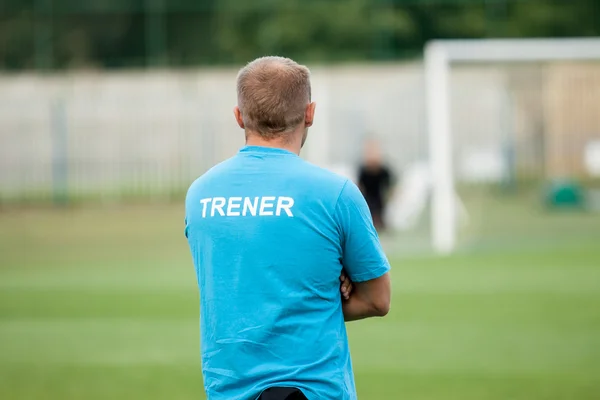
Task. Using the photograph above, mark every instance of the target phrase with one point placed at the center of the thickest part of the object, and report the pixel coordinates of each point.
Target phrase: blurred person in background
(375, 183)
(270, 235)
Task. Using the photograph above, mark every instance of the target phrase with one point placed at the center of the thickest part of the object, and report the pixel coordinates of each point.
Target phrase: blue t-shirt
(269, 235)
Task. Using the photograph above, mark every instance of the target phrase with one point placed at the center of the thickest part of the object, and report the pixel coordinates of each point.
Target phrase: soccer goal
(553, 117)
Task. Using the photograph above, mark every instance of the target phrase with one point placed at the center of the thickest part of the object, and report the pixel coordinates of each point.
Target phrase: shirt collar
(265, 150)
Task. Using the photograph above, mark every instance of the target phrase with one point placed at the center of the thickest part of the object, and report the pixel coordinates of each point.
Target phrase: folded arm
(363, 260)
(368, 299)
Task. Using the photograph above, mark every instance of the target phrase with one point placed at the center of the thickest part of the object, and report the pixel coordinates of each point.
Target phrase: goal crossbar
(439, 55)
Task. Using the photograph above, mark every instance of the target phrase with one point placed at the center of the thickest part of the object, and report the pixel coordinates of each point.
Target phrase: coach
(270, 235)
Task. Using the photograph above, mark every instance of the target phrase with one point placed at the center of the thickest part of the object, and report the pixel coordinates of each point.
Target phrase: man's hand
(345, 286)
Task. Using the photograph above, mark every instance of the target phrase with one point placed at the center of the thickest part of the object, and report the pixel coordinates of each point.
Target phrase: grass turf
(101, 303)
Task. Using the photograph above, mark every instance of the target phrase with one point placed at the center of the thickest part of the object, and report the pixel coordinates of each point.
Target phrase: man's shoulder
(324, 178)
(214, 173)
(324, 173)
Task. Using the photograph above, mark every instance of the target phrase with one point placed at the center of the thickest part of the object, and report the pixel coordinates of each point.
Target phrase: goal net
(507, 120)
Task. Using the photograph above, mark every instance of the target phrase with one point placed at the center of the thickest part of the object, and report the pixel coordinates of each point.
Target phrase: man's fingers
(346, 289)
(345, 286)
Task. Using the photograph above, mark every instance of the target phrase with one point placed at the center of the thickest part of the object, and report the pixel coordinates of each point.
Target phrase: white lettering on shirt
(285, 204)
(252, 207)
(204, 202)
(233, 203)
(217, 204)
(247, 206)
(266, 202)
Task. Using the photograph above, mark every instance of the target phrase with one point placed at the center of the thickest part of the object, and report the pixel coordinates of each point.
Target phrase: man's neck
(293, 145)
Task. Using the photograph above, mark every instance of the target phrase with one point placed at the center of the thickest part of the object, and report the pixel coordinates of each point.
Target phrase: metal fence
(113, 134)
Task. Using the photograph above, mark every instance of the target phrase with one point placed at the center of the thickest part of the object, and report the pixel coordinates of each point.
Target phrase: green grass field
(101, 303)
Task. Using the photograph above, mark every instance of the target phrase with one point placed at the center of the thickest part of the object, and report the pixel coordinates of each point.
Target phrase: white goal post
(439, 55)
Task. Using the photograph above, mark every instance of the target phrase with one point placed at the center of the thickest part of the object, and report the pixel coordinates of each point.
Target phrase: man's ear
(238, 116)
(309, 114)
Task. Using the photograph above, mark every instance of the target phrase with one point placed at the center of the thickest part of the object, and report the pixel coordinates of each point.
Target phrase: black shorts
(282, 393)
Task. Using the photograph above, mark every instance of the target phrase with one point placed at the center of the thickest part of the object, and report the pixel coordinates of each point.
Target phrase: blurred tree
(191, 35)
(123, 33)
(16, 40)
(555, 18)
(308, 30)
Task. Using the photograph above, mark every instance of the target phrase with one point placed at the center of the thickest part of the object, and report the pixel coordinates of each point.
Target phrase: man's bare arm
(368, 299)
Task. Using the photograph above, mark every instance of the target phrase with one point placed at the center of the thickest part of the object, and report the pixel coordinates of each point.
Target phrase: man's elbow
(381, 308)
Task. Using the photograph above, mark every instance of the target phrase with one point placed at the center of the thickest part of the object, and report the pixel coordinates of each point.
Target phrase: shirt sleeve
(363, 258)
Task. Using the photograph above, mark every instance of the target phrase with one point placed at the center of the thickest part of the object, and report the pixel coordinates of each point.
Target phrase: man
(270, 235)
(374, 181)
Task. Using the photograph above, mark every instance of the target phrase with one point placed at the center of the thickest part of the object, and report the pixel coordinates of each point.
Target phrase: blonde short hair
(273, 93)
